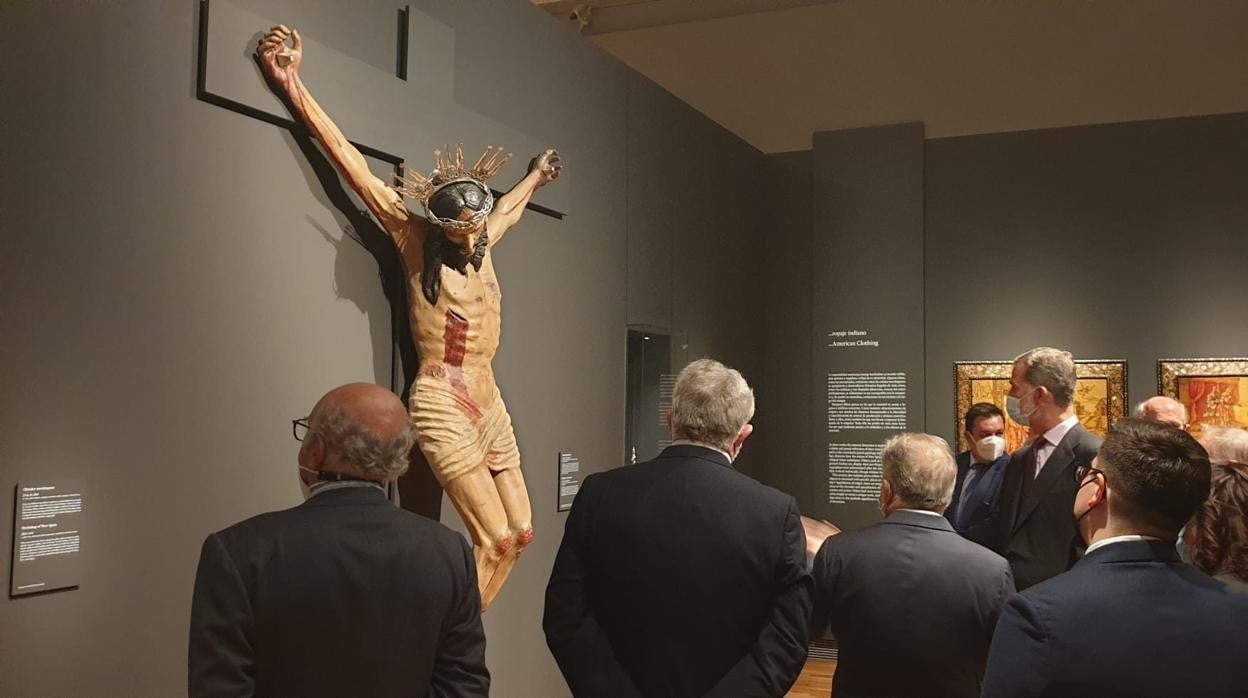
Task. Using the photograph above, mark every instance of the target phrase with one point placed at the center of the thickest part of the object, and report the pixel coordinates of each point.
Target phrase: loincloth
(457, 435)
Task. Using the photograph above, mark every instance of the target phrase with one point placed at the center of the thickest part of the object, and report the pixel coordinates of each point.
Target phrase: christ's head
(466, 201)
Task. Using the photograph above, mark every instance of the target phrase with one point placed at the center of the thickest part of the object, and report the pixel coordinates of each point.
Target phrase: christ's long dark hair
(439, 252)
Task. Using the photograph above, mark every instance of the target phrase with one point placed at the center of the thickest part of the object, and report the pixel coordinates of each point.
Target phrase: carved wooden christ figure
(457, 413)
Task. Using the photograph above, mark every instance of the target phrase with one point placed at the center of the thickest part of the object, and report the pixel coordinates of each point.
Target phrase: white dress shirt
(924, 511)
(1117, 539)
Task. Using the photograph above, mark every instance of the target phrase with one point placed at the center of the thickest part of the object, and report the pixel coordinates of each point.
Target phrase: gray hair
(1225, 444)
(1142, 410)
(921, 469)
(375, 457)
(710, 404)
(1053, 369)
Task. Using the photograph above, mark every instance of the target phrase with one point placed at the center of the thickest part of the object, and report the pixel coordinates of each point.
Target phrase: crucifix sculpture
(461, 423)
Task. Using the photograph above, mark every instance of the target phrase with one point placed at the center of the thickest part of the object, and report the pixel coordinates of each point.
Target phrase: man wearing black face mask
(1032, 526)
(1095, 630)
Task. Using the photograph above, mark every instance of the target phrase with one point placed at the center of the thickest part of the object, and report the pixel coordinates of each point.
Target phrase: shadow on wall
(419, 491)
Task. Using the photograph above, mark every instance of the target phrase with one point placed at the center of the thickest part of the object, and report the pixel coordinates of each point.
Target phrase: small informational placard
(569, 479)
(47, 535)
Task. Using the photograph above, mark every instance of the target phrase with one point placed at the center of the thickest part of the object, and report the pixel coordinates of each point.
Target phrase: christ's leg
(479, 505)
(515, 501)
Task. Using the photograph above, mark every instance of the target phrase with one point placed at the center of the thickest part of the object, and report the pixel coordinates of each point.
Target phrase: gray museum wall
(1119, 241)
(694, 260)
(177, 285)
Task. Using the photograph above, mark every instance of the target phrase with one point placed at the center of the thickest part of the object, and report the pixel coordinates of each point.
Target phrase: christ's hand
(548, 164)
(280, 62)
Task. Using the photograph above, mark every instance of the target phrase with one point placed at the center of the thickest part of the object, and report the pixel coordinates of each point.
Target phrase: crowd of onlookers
(1074, 566)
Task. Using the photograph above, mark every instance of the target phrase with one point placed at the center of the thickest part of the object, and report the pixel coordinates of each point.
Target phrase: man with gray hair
(344, 594)
(680, 576)
(1033, 528)
(1225, 444)
(912, 604)
(1163, 410)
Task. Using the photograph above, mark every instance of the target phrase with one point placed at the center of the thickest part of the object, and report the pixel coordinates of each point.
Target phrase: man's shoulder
(1083, 438)
(274, 524)
(942, 544)
(714, 479)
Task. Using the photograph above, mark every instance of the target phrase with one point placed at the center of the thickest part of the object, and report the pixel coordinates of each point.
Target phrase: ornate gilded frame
(1112, 371)
(1172, 373)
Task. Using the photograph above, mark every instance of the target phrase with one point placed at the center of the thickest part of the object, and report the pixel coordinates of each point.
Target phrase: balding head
(360, 430)
(918, 473)
(1163, 410)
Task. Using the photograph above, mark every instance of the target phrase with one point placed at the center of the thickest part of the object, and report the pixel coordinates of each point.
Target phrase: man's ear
(312, 453)
(1102, 491)
(742, 435)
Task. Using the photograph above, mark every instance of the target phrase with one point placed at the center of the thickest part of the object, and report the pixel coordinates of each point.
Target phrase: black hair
(440, 251)
(979, 411)
(452, 199)
(1160, 473)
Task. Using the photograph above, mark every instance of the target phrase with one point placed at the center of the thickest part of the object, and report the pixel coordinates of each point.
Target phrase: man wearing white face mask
(344, 594)
(979, 473)
(1032, 525)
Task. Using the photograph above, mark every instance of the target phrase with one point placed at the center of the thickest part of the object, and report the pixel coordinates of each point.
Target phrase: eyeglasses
(300, 427)
(1083, 470)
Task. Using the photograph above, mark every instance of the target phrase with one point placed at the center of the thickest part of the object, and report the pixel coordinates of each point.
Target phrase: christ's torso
(458, 337)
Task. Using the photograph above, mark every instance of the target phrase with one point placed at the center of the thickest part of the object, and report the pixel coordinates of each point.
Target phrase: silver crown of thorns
(448, 170)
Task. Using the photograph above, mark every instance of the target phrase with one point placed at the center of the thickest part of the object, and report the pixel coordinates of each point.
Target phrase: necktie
(1039, 443)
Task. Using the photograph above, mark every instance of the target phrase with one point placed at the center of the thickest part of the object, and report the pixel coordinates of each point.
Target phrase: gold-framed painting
(1215, 391)
(1100, 395)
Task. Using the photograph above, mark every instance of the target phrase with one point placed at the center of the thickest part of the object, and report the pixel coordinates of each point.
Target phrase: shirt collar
(1117, 539)
(923, 511)
(343, 484)
(687, 442)
(1055, 435)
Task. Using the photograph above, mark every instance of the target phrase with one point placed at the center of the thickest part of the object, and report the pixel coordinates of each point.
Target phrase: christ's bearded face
(464, 238)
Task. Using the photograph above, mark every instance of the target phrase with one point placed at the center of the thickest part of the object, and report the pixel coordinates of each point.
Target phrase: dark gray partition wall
(1115, 241)
(178, 282)
(784, 409)
(867, 310)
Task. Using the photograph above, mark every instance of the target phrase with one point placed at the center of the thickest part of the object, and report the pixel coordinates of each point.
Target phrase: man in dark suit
(1032, 527)
(911, 603)
(345, 594)
(680, 576)
(980, 470)
(1130, 619)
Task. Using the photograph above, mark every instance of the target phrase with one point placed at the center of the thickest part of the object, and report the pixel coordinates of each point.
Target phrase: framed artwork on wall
(1215, 391)
(1100, 395)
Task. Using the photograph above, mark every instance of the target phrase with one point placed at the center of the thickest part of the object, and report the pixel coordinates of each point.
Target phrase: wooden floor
(815, 681)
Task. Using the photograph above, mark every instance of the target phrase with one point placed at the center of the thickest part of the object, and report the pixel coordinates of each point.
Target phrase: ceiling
(776, 71)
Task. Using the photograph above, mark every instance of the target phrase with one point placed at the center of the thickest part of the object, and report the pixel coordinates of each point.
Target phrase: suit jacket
(679, 577)
(979, 527)
(342, 595)
(1130, 619)
(912, 605)
(1033, 526)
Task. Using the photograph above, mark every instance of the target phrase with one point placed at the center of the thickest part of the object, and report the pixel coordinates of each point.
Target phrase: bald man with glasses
(345, 594)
